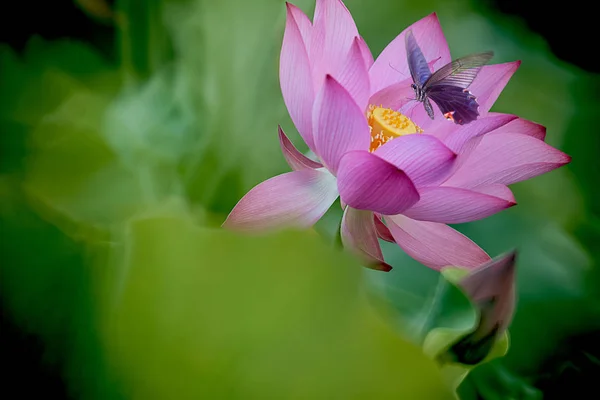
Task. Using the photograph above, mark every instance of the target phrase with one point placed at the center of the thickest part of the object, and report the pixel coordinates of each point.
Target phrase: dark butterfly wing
(419, 70)
(456, 103)
(460, 72)
(447, 87)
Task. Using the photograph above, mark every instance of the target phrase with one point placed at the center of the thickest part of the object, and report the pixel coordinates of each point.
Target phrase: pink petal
(367, 182)
(360, 237)
(416, 112)
(294, 158)
(366, 53)
(294, 199)
(339, 124)
(458, 137)
(334, 31)
(394, 96)
(296, 79)
(435, 245)
(522, 126)
(451, 205)
(424, 158)
(382, 231)
(391, 66)
(436, 126)
(492, 287)
(497, 190)
(507, 158)
(490, 82)
(304, 24)
(354, 76)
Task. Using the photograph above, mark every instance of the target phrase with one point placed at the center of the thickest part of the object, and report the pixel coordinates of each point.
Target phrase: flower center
(387, 124)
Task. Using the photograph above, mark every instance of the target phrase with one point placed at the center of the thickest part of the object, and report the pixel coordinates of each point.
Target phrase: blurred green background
(126, 140)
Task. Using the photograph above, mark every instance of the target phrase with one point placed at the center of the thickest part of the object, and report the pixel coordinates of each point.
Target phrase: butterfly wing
(460, 72)
(447, 87)
(457, 104)
(419, 70)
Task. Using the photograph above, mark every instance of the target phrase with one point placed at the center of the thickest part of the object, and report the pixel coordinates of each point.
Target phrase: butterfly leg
(428, 107)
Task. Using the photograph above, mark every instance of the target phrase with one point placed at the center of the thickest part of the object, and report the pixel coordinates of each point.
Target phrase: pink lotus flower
(399, 179)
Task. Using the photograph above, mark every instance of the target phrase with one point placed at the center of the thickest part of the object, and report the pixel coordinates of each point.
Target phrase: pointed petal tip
(508, 158)
(543, 131)
(452, 205)
(382, 266)
(512, 255)
(382, 230)
(506, 263)
(295, 12)
(510, 203)
(436, 245)
(563, 158)
(296, 199)
(506, 260)
(525, 127)
(295, 77)
(228, 225)
(514, 66)
(433, 15)
(296, 160)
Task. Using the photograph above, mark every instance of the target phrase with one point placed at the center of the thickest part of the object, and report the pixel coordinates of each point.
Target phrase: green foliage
(213, 314)
(115, 179)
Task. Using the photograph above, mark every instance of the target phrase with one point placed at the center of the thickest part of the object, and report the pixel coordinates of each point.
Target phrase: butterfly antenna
(398, 71)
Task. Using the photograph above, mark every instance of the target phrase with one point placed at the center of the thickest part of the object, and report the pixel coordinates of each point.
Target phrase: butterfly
(448, 86)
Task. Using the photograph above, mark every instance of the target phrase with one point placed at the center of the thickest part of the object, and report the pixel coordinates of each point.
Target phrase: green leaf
(432, 316)
(494, 381)
(208, 313)
(454, 372)
(437, 318)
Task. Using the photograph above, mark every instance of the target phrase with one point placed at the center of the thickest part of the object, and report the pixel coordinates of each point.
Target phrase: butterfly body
(448, 86)
(421, 96)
